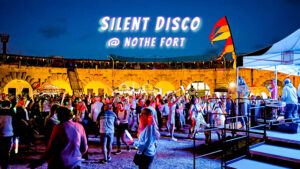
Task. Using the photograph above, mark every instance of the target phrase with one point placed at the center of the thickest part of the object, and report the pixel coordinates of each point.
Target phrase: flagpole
(234, 66)
(237, 90)
(234, 60)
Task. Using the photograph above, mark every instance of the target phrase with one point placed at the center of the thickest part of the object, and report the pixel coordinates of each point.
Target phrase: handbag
(138, 158)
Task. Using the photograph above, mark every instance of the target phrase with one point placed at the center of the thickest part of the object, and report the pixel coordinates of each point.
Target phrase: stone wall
(214, 78)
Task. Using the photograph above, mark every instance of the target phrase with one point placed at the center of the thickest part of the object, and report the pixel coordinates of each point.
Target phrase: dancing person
(229, 106)
(82, 118)
(289, 95)
(46, 107)
(210, 105)
(164, 112)
(107, 120)
(181, 115)
(192, 91)
(158, 106)
(171, 116)
(219, 115)
(196, 116)
(133, 124)
(139, 107)
(6, 133)
(96, 108)
(273, 89)
(122, 115)
(153, 111)
(35, 111)
(243, 93)
(82, 112)
(50, 121)
(148, 135)
(22, 125)
(67, 143)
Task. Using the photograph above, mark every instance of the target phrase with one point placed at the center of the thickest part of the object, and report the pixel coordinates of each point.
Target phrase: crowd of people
(67, 121)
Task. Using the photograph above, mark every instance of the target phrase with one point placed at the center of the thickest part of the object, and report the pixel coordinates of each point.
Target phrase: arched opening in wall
(62, 85)
(128, 87)
(164, 87)
(198, 88)
(96, 87)
(17, 87)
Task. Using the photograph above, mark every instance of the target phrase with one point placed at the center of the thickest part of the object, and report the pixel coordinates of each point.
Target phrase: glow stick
(16, 145)
(27, 103)
(128, 135)
(182, 88)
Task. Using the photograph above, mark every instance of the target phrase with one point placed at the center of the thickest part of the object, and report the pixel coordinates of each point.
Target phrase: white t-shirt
(123, 116)
(95, 110)
(47, 106)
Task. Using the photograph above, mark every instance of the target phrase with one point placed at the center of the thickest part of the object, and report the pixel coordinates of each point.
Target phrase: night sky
(69, 28)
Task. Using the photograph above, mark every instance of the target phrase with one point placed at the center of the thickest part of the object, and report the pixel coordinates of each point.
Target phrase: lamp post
(112, 72)
(4, 40)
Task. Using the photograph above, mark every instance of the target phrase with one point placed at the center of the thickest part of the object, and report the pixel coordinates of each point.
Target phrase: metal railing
(232, 121)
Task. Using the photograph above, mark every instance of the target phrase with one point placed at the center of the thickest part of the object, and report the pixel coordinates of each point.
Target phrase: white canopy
(283, 56)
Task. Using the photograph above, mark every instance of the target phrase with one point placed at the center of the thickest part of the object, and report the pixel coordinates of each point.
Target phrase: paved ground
(170, 154)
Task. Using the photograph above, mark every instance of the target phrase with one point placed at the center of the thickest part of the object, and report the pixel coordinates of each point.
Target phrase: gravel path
(170, 155)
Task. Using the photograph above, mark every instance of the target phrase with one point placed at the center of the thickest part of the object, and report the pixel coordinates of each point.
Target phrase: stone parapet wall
(214, 78)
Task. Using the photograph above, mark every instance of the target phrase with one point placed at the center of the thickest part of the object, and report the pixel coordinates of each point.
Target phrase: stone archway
(21, 76)
(165, 86)
(63, 85)
(95, 86)
(19, 86)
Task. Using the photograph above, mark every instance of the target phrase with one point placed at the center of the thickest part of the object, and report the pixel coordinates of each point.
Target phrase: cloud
(53, 31)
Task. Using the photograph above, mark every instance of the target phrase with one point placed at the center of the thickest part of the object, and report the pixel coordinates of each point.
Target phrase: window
(12, 91)
(25, 91)
(201, 87)
(89, 91)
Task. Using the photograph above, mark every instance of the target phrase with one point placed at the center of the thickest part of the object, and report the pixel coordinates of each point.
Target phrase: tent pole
(276, 87)
(237, 95)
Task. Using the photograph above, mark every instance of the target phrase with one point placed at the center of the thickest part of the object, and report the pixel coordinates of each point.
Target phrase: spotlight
(232, 84)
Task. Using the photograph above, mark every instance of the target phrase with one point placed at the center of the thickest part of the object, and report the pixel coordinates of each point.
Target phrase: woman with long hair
(50, 121)
(172, 101)
(158, 105)
(196, 116)
(148, 135)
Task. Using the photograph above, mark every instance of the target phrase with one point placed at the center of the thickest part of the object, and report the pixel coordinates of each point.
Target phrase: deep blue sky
(69, 27)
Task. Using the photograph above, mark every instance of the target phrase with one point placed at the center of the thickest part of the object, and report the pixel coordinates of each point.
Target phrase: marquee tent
(283, 56)
(50, 89)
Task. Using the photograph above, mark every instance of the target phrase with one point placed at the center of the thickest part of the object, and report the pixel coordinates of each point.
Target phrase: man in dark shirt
(6, 132)
(139, 107)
